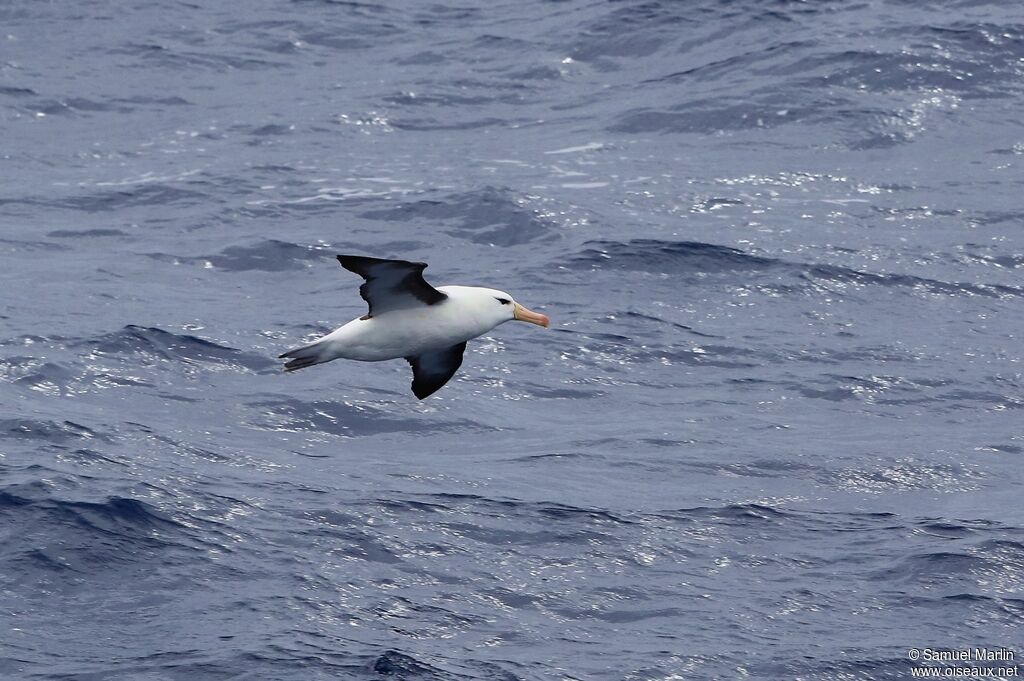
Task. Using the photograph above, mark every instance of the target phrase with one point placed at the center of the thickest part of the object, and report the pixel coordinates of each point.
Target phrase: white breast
(411, 331)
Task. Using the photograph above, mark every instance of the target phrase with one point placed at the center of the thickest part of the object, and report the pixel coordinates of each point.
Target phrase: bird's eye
(504, 301)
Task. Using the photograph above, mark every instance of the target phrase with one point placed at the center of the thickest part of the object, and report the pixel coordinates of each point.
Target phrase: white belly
(404, 333)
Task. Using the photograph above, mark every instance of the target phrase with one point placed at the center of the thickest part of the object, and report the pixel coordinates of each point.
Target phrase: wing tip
(422, 392)
(347, 260)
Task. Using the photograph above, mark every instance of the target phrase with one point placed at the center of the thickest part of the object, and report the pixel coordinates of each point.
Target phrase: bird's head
(500, 307)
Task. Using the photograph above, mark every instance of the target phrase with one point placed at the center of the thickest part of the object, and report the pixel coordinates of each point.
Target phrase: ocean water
(774, 432)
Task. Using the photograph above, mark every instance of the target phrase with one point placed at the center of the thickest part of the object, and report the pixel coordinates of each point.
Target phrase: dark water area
(775, 430)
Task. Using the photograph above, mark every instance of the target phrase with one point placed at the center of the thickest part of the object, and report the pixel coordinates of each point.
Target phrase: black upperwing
(391, 284)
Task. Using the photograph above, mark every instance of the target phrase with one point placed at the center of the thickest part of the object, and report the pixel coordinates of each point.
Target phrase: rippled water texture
(774, 431)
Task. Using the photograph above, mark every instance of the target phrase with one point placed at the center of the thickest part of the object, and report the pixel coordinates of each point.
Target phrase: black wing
(391, 284)
(431, 370)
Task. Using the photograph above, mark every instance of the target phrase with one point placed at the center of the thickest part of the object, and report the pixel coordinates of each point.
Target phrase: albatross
(410, 319)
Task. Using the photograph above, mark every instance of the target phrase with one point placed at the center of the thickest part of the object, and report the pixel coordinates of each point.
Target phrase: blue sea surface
(775, 430)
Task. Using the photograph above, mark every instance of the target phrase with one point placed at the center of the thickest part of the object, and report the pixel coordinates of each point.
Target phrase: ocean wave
(489, 215)
(46, 431)
(153, 345)
(696, 260)
(103, 201)
(344, 419)
(270, 255)
(86, 536)
(936, 568)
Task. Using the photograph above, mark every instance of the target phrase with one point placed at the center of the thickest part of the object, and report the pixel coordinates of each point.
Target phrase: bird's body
(410, 331)
(410, 319)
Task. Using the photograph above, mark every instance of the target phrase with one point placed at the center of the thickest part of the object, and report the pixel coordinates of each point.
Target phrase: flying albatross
(409, 318)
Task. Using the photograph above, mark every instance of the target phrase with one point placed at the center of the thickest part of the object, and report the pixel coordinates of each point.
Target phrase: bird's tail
(306, 356)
